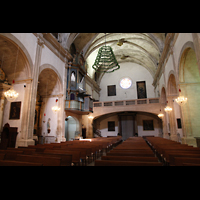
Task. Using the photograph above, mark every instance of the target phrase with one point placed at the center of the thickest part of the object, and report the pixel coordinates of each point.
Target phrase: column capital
(40, 41)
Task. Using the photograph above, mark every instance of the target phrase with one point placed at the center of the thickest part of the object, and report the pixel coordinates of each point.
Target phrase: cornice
(51, 42)
(164, 57)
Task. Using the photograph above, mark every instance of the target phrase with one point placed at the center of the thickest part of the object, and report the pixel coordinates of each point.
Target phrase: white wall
(136, 73)
(19, 88)
(46, 108)
(139, 128)
(104, 126)
(141, 132)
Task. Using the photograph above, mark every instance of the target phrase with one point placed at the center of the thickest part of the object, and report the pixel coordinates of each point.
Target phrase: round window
(125, 83)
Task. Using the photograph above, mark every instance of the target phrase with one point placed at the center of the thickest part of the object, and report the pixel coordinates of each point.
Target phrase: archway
(171, 95)
(128, 124)
(163, 101)
(49, 89)
(71, 128)
(189, 80)
(15, 64)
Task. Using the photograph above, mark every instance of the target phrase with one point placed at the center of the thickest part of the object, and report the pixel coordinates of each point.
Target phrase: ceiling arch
(141, 48)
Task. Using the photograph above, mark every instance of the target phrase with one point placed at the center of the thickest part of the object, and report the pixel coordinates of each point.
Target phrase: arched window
(73, 79)
(72, 96)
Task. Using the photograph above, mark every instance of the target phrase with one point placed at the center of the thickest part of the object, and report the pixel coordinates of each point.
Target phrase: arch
(27, 58)
(48, 66)
(187, 45)
(72, 127)
(163, 97)
(132, 120)
(189, 80)
(171, 84)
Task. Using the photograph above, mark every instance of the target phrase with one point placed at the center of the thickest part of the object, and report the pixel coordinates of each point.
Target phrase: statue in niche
(48, 126)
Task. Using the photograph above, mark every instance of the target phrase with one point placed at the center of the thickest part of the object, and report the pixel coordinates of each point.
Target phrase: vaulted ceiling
(142, 48)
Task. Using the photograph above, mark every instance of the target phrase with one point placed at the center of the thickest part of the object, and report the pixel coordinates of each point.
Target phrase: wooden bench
(178, 161)
(130, 158)
(130, 154)
(125, 163)
(169, 158)
(10, 154)
(45, 160)
(18, 163)
(67, 157)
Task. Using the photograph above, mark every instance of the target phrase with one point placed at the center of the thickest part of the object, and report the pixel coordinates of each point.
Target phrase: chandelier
(11, 94)
(168, 109)
(105, 60)
(55, 108)
(181, 100)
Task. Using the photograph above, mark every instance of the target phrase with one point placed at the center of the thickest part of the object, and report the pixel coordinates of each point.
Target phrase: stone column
(172, 119)
(3, 88)
(28, 112)
(196, 40)
(62, 100)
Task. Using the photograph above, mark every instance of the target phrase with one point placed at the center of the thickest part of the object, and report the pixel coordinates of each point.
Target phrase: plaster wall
(48, 57)
(141, 132)
(103, 124)
(19, 88)
(136, 73)
(29, 41)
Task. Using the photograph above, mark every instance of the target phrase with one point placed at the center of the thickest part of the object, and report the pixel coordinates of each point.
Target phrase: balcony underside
(78, 112)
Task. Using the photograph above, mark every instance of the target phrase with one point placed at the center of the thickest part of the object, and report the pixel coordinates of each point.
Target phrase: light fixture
(181, 100)
(11, 94)
(105, 60)
(160, 115)
(168, 109)
(55, 108)
(90, 117)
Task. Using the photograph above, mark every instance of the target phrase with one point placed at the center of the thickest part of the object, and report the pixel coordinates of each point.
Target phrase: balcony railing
(127, 102)
(79, 107)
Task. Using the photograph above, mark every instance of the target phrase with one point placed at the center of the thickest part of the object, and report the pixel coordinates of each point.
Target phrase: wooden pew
(130, 154)
(169, 158)
(18, 163)
(45, 160)
(67, 157)
(10, 154)
(180, 160)
(125, 163)
(130, 158)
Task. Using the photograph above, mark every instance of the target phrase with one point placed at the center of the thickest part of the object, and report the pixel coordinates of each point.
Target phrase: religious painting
(148, 125)
(179, 123)
(15, 108)
(141, 90)
(111, 90)
(111, 126)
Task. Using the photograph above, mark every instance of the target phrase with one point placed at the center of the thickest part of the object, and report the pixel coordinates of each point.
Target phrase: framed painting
(148, 125)
(141, 90)
(111, 126)
(15, 108)
(111, 90)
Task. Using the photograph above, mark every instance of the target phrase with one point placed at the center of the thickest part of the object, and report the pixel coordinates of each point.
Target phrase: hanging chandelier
(105, 61)
(55, 108)
(168, 109)
(181, 100)
(11, 94)
(160, 115)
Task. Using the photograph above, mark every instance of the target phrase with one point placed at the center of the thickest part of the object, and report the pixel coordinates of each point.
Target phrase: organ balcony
(79, 107)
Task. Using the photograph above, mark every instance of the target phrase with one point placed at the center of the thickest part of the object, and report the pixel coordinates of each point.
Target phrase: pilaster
(27, 125)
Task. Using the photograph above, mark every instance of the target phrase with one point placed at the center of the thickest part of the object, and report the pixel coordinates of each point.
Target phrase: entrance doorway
(71, 128)
(127, 126)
